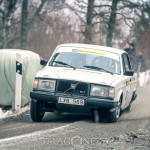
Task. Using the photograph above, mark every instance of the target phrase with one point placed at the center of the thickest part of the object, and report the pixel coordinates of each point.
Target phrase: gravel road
(132, 131)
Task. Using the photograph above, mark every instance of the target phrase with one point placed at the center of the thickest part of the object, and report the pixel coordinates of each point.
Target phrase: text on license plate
(71, 101)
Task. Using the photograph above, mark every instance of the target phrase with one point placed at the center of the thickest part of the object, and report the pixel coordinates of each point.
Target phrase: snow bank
(10, 113)
(30, 66)
(144, 79)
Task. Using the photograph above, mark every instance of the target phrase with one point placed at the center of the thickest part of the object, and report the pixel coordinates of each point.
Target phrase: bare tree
(88, 25)
(84, 11)
(111, 22)
(7, 10)
(14, 26)
(103, 13)
(24, 25)
(43, 7)
(142, 32)
(52, 31)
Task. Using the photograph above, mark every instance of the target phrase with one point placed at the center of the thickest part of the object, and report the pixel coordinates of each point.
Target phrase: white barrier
(18, 87)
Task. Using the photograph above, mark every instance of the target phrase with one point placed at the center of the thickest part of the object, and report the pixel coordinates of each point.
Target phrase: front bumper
(90, 102)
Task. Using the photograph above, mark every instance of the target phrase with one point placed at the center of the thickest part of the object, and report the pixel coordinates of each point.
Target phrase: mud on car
(84, 79)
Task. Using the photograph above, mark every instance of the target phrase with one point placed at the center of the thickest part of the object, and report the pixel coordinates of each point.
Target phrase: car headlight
(102, 91)
(41, 84)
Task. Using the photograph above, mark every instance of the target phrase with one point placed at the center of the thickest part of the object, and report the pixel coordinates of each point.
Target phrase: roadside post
(18, 86)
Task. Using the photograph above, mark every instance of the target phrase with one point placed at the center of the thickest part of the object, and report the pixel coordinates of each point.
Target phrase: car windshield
(90, 60)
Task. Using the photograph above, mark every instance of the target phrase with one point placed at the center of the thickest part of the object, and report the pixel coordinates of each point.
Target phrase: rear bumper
(89, 102)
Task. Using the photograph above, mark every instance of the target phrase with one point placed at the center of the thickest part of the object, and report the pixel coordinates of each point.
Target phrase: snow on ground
(144, 81)
(10, 113)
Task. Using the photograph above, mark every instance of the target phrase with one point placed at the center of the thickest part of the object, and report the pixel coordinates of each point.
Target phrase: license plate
(72, 101)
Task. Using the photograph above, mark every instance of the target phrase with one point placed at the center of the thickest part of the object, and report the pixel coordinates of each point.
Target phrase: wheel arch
(119, 97)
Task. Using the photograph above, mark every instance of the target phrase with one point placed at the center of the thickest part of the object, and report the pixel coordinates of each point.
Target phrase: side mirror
(129, 73)
(43, 62)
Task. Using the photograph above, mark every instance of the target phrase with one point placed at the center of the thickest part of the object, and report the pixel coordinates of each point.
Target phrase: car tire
(114, 115)
(36, 111)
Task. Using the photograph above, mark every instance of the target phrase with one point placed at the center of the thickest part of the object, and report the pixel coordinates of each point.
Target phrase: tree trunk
(88, 27)
(24, 25)
(111, 23)
(4, 42)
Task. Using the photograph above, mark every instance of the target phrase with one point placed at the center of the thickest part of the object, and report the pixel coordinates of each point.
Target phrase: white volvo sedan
(82, 78)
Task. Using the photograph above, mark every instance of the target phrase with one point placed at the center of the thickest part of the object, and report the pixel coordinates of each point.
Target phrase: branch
(2, 12)
(74, 10)
(1, 2)
(11, 8)
(125, 18)
(39, 9)
(99, 6)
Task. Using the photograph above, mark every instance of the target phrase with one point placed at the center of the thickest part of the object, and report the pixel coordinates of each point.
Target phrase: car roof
(97, 47)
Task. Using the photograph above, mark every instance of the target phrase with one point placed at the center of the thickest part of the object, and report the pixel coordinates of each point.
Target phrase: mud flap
(96, 115)
(134, 96)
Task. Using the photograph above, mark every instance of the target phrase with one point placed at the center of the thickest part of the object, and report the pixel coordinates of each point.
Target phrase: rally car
(83, 78)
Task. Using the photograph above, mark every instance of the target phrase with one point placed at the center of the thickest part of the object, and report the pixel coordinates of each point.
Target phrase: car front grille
(72, 87)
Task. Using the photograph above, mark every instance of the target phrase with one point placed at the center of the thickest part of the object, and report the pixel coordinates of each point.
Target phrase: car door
(127, 80)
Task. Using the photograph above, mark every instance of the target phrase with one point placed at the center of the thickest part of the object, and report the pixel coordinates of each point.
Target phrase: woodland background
(40, 25)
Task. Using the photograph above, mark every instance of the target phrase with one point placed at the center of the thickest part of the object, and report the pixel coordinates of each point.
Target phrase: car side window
(126, 63)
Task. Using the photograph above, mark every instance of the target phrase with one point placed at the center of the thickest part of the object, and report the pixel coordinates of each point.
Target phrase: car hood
(88, 76)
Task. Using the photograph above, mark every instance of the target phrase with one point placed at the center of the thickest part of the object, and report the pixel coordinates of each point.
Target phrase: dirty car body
(82, 78)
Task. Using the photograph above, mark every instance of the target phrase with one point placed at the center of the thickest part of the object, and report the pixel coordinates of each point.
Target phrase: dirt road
(132, 131)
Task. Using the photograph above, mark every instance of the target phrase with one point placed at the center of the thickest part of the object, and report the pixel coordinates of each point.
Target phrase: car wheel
(114, 115)
(36, 111)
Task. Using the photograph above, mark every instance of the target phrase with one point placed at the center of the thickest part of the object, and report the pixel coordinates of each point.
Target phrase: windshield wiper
(65, 64)
(97, 68)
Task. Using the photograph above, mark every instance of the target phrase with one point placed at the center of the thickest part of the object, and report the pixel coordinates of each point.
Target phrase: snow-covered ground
(144, 81)
(10, 113)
